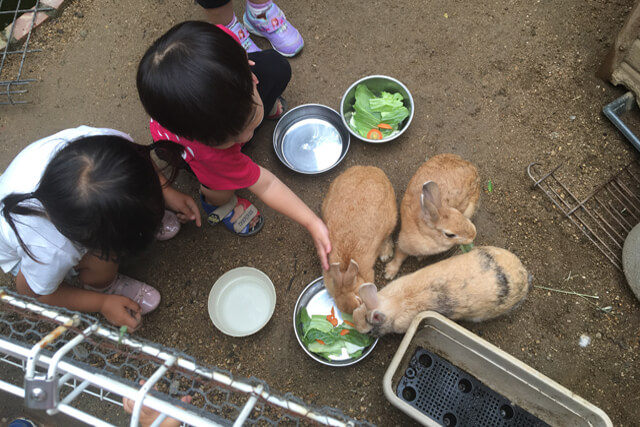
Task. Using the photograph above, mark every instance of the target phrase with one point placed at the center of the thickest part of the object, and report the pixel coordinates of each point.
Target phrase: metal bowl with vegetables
(377, 109)
(326, 334)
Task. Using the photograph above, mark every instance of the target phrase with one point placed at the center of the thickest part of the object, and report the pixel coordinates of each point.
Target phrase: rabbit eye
(449, 235)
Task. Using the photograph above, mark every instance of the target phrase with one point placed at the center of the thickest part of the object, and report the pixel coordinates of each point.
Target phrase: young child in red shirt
(206, 96)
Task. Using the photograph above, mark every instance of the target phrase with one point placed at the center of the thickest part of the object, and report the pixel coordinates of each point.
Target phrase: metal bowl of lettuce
(377, 109)
(324, 333)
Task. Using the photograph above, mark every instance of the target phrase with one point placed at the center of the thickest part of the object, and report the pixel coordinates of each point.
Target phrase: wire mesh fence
(65, 354)
(18, 18)
(606, 216)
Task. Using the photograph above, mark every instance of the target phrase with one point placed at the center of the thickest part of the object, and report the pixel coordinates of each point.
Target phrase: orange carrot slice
(332, 318)
(374, 134)
(349, 323)
(344, 332)
(385, 126)
(321, 342)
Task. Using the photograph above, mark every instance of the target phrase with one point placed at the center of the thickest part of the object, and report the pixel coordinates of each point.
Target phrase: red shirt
(218, 169)
(227, 169)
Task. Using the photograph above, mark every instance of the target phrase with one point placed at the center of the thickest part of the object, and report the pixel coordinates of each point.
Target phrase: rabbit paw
(386, 251)
(390, 270)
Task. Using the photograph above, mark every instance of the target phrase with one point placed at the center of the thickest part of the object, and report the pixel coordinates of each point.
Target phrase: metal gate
(65, 354)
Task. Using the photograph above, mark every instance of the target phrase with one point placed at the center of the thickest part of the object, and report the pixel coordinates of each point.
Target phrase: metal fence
(14, 53)
(606, 216)
(65, 354)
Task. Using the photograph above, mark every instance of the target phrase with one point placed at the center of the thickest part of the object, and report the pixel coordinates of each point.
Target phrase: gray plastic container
(506, 375)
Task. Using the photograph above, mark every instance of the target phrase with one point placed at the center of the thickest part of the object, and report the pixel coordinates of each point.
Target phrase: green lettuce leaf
(317, 328)
(386, 102)
(370, 110)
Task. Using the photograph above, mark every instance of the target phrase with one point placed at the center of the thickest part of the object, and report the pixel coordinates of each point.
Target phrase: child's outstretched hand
(320, 235)
(121, 311)
(148, 415)
(184, 206)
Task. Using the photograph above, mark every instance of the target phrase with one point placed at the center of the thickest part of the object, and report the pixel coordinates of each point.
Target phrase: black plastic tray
(452, 397)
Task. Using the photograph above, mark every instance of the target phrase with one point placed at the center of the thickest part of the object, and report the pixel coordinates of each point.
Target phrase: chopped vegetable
(123, 330)
(322, 338)
(385, 111)
(332, 318)
(374, 134)
(490, 186)
(466, 248)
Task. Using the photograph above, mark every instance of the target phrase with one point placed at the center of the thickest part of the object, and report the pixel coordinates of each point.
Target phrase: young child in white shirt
(74, 204)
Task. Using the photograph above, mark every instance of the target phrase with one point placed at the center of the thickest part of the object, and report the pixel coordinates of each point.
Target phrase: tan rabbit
(361, 213)
(436, 209)
(478, 285)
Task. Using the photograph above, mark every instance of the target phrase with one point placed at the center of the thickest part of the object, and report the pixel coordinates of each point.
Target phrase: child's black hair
(101, 192)
(195, 81)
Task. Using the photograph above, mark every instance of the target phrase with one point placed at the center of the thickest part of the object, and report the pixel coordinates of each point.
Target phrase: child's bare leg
(220, 197)
(220, 15)
(96, 272)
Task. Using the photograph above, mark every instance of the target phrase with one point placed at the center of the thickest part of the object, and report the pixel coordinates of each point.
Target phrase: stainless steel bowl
(311, 139)
(318, 301)
(376, 84)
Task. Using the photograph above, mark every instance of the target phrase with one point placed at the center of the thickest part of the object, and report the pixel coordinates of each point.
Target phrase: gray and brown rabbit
(478, 285)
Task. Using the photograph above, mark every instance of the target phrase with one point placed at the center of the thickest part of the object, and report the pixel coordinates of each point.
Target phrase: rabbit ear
(334, 272)
(430, 200)
(350, 275)
(369, 295)
(376, 318)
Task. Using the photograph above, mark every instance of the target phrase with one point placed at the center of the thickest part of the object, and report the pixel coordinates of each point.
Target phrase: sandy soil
(502, 83)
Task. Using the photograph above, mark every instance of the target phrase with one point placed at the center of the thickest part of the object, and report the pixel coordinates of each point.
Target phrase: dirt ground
(502, 83)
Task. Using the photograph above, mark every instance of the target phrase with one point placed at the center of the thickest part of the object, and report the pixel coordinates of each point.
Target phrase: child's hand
(320, 234)
(184, 206)
(121, 311)
(148, 415)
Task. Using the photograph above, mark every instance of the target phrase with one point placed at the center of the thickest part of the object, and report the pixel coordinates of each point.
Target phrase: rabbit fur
(436, 209)
(360, 212)
(478, 285)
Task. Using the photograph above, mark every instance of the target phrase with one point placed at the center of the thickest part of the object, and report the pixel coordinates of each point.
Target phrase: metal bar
(115, 387)
(616, 108)
(83, 416)
(52, 336)
(153, 379)
(13, 389)
(66, 348)
(69, 398)
(108, 385)
(598, 215)
(617, 236)
(247, 408)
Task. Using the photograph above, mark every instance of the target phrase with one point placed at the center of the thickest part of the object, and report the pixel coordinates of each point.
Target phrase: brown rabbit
(436, 209)
(478, 285)
(361, 213)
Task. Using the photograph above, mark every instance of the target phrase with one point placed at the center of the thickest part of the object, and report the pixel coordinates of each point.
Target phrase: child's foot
(278, 110)
(242, 33)
(170, 226)
(268, 21)
(238, 215)
(147, 297)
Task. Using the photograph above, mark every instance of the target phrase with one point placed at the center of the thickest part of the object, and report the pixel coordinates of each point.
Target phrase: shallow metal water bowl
(311, 139)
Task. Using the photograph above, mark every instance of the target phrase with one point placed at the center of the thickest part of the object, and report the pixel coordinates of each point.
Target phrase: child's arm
(185, 207)
(278, 196)
(115, 308)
